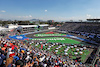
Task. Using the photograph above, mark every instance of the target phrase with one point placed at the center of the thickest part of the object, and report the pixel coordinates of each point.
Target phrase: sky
(58, 10)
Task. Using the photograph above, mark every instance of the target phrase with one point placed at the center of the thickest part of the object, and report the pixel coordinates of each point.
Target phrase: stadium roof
(93, 20)
(33, 25)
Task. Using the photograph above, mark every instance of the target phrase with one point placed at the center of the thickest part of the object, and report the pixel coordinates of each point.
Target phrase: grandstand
(88, 30)
(87, 27)
(32, 28)
(27, 28)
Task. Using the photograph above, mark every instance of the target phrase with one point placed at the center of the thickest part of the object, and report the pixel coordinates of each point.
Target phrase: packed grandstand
(74, 44)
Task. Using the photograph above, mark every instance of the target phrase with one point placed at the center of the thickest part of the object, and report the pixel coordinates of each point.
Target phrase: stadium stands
(86, 27)
(89, 30)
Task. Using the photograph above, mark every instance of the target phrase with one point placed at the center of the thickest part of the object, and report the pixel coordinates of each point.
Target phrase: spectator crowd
(16, 53)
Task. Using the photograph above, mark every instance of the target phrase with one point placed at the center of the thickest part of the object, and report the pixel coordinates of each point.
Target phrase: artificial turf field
(63, 39)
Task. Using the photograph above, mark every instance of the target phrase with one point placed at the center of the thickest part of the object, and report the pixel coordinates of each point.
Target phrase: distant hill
(35, 20)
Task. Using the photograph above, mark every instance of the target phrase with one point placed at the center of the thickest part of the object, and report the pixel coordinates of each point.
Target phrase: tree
(4, 23)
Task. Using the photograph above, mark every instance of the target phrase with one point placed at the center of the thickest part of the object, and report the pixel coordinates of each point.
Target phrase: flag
(41, 46)
(5, 45)
(14, 47)
(11, 55)
(60, 61)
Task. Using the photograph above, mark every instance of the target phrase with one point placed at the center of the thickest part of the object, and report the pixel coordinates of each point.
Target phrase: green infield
(43, 35)
(58, 40)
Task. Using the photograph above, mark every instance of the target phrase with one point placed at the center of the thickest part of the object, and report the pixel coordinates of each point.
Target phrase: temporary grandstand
(25, 28)
(32, 28)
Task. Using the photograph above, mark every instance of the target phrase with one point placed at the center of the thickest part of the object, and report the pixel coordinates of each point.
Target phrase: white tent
(4, 29)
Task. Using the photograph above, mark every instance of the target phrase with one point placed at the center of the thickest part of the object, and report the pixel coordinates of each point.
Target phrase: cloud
(88, 16)
(30, 15)
(3, 11)
(24, 17)
(45, 10)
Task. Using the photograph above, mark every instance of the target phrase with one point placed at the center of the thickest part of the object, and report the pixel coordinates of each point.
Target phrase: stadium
(77, 41)
(62, 40)
(49, 33)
